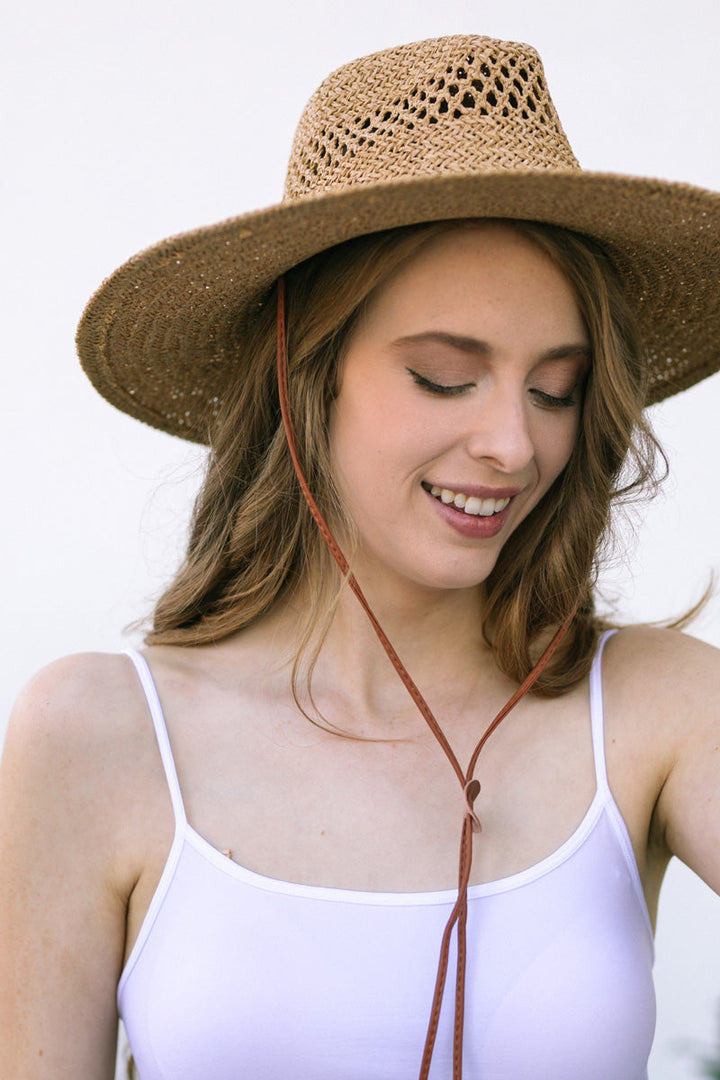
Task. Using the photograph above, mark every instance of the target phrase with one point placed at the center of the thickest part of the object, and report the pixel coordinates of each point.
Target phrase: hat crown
(445, 106)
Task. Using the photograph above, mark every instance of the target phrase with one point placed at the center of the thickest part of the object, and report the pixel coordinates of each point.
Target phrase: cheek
(368, 432)
(569, 447)
(558, 449)
(355, 446)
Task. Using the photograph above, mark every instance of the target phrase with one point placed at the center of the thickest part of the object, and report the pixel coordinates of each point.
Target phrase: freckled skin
(390, 433)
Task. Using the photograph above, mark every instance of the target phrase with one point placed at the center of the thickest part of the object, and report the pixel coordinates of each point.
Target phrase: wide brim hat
(457, 127)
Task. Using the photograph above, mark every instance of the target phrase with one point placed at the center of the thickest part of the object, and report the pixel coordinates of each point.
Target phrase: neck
(436, 633)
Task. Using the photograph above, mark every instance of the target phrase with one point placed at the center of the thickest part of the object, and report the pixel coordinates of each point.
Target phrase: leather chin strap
(470, 786)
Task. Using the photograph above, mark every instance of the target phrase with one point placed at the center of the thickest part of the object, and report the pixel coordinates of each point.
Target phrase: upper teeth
(470, 504)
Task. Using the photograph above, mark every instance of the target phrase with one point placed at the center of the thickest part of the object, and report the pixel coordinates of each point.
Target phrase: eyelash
(548, 401)
(438, 388)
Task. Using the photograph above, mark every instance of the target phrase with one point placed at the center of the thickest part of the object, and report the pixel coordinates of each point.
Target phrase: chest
(324, 982)
(298, 803)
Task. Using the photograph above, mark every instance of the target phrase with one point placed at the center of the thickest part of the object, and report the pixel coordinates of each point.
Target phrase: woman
(466, 330)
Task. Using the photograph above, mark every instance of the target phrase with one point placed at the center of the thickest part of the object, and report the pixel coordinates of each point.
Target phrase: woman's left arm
(688, 808)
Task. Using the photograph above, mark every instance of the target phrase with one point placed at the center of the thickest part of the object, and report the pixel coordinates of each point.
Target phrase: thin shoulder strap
(161, 734)
(597, 715)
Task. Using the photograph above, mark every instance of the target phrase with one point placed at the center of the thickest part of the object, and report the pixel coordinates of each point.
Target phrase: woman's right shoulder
(82, 674)
(82, 712)
(81, 686)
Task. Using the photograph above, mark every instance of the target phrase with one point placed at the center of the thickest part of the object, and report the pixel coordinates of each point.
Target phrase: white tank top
(236, 975)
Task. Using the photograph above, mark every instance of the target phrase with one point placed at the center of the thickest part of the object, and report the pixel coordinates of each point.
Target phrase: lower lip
(473, 526)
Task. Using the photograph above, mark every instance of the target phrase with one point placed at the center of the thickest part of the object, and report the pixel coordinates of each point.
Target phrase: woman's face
(459, 404)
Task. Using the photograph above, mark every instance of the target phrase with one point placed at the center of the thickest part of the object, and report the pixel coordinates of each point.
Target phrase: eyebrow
(477, 347)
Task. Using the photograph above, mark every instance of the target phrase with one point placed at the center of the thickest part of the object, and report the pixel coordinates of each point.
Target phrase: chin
(433, 580)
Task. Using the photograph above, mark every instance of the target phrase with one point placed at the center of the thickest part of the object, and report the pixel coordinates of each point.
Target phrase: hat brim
(159, 338)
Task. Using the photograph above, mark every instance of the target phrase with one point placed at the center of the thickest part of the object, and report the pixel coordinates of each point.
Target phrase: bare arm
(688, 808)
(65, 875)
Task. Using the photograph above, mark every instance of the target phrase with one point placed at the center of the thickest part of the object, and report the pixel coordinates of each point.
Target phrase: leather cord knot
(471, 792)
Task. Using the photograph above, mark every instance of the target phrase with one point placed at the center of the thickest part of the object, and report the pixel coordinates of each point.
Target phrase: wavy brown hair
(254, 541)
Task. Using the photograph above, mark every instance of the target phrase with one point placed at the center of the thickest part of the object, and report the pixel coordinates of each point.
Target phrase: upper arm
(64, 871)
(688, 808)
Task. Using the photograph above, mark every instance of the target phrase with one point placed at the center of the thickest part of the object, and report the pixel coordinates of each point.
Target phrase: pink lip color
(469, 525)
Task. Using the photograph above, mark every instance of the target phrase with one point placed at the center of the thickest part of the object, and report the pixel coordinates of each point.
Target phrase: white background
(128, 122)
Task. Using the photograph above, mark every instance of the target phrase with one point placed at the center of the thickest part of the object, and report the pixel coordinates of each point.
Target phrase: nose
(499, 431)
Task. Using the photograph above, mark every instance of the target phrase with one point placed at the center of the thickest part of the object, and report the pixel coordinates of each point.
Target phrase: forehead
(475, 280)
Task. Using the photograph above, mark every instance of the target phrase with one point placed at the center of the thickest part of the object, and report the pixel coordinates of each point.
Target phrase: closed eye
(549, 401)
(439, 388)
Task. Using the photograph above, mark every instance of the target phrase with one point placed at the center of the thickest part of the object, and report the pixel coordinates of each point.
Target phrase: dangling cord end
(466, 854)
(471, 824)
(458, 916)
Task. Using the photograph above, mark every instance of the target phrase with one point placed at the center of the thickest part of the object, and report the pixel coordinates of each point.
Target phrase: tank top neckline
(185, 832)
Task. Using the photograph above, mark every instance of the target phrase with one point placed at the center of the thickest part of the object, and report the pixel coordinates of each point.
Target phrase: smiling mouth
(468, 504)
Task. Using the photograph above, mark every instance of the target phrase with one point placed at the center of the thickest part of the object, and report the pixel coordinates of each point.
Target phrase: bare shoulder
(669, 673)
(79, 684)
(84, 705)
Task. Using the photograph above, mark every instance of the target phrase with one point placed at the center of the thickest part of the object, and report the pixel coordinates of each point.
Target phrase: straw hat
(455, 127)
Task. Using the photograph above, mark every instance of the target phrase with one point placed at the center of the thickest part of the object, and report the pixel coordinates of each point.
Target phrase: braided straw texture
(456, 128)
(455, 106)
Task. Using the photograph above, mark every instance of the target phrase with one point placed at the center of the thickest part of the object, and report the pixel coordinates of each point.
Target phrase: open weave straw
(451, 128)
